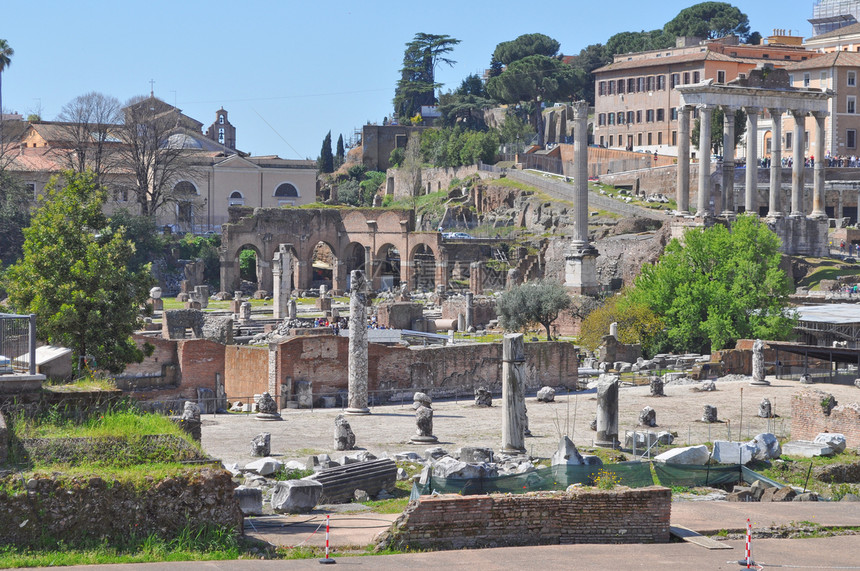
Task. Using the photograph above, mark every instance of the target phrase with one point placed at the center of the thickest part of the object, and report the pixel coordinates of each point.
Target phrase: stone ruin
(423, 419)
(344, 437)
(213, 327)
(483, 397)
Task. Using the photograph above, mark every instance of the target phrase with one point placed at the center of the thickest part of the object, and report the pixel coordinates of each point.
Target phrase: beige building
(635, 100)
(216, 176)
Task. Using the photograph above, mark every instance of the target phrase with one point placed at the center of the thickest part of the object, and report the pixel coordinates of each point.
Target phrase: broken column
(282, 275)
(423, 406)
(476, 277)
(357, 366)
(470, 311)
(513, 407)
(291, 309)
(245, 312)
(344, 437)
(580, 256)
(607, 413)
(710, 414)
(657, 386)
(758, 377)
(764, 409)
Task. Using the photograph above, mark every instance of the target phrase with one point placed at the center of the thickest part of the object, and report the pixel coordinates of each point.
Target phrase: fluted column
(683, 192)
(751, 187)
(818, 168)
(704, 159)
(728, 173)
(580, 174)
(775, 163)
(797, 160)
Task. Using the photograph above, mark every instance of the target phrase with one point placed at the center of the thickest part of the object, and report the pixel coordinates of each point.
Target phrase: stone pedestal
(607, 414)
(423, 420)
(580, 269)
(357, 366)
(513, 403)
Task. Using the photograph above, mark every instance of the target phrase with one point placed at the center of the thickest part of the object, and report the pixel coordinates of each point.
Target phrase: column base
(423, 440)
(761, 383)
(820, 215)
(509, 450)
(357, 411)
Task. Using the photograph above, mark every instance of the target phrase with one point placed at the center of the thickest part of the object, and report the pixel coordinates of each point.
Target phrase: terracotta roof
(668, 60)
(843, 31)
(13, 131)
(834, 59)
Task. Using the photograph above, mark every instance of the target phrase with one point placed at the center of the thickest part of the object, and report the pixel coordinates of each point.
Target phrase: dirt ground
(459, 423)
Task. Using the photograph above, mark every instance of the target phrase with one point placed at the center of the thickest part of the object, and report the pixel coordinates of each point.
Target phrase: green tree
(709, 20)
(590, 58)
(526, 45)
(6, 53)
(75, 277)
(538, 302)
(627, 42)
(535, 78)
(417, 85)
(717, 121)
(370, 186)
(515, 131)
(637, 323)
(248, 265)
(340, 153)
(325, 162)
(14, 216)
(719, 286)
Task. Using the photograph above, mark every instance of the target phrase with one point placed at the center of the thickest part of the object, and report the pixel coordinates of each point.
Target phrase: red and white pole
(329, 560)
(748, 560)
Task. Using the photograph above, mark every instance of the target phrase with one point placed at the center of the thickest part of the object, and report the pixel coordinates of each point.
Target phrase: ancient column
(773, 210)
(470, 310)
(703, 209)
(513, 405)
(751, 187)
(758, 377)
(607, 413)
(423, 406)
(818, 168)
(728, 180)
(282, 273)
(683, 191)
(797, 169)
(476, 277)
(357, 365)
(580, 256)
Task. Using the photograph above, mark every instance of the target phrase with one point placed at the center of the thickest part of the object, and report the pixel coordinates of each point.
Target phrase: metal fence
(17, 344)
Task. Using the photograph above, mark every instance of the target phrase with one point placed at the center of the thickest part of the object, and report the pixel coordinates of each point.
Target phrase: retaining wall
(809, 417)
(450, 521)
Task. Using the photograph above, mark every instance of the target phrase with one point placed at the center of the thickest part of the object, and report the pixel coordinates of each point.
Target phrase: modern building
(215, 176)
(635, 100)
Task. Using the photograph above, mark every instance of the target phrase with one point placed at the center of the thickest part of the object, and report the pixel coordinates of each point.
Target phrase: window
(721, 76)
(639, 116)
(660, 138)
(852, 78)
(610, 88)
(851, 138)
(674, 114)
(852, 104)
(649, 116)
(765, 56)
(620, 86)
(649, 138)
(630, 116)
(696, 77)
(791, 79)
(220, 119)
(620, 117)
(601, 119)
(805, 80)
(286, 190)
(601, 88)
(640, 84)
(221, 135)
(601, 141)
(661, 82)
(649, 83)
(674, 138)
(788, 138)
(686, 77)
(823, 80)
(631, 85)
(676, 79)
(661, 115)
(236, 199)
(612, 118)
(806, 140)
(184, 187)
(610, 140)
(639, 139)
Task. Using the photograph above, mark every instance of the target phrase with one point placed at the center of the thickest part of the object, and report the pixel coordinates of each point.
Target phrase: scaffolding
(829, 15)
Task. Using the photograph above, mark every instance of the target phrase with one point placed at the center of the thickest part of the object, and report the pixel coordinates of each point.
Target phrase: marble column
(797, 167)
(758, 372)
(476, 278)
(728, 179)
(751, 187)
(580, 174)
(775, 163)
(513, 403)
(357, 358)
(818, 168)
(282, 275)
(683, 191)
(470, 310)
(703, 209)
(607, 414)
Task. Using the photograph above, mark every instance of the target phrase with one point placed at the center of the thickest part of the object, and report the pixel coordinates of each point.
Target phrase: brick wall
(199, 361)
(808, 417)
(246, 371)
(450, 521)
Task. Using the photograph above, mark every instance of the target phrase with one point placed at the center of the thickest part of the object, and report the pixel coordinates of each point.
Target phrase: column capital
(752, 110)
(705, 107)
(798, 114)
(819, 115)
(728, 115)
(728, 108)
(683, 108)
(776, 111)
(580, 109)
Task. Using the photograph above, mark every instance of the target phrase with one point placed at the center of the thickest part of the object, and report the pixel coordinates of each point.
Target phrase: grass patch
(84, 384)
(827, 271)
(118, 423)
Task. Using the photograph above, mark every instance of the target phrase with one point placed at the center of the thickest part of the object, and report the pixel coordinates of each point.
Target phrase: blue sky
(287, 72)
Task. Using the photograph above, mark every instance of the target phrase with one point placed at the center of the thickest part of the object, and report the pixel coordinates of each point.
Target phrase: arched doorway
(185, 195)
(423, 268)
(249, 270)
(353, 258)
(386, 274)
(323, 264)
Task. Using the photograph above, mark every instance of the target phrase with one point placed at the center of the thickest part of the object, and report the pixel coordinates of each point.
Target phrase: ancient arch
(423, 263)
(386, 267)
(323, 265)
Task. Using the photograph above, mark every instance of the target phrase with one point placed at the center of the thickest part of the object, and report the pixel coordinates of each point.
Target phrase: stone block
(566, 453)
(296, 496)
(261, 444)
(766, 446)
(740, 496)
(473, 454)
(832, 439)
(726, 452)
(250, 500)
(692, 455)
(546, 394)
(448, 467)
(264, 466)
(644, 440)
(806, 449)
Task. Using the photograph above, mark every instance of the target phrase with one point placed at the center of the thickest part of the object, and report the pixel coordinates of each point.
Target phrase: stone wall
(432, 179)
(484, 309)
(450, 521)
(246, 371)
(810, 416)
(398, 314)
(74, 509)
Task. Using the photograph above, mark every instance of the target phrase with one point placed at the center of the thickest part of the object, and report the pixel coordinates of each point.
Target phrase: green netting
(750, 477)
(633, 474)
(671, 475)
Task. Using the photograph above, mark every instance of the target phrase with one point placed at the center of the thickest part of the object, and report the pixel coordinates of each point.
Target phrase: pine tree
(339, 157)
(325, 163)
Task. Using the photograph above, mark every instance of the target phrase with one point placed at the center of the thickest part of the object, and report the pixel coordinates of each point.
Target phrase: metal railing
(17, 344)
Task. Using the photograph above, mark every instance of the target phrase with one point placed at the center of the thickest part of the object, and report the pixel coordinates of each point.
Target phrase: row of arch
(283, 190)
